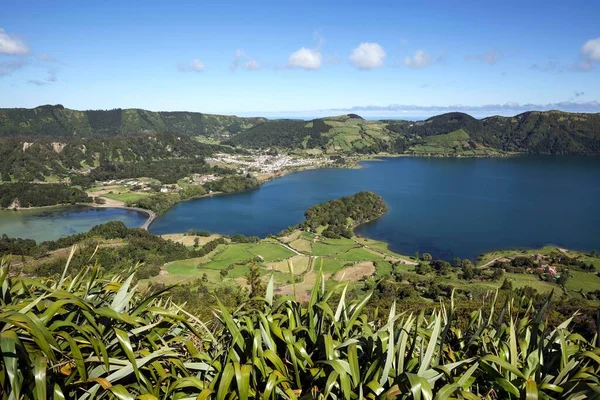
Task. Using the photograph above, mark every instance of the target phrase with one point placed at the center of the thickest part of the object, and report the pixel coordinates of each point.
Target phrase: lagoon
(448, 207)
(53, 222)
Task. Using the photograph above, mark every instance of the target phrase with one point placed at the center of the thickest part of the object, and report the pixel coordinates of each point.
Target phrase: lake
(445, 206)
(54, 222)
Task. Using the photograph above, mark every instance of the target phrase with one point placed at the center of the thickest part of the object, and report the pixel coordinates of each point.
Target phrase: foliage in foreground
(90, 337)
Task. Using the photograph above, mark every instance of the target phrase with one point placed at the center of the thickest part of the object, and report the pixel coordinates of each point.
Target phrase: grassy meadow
(352, 260)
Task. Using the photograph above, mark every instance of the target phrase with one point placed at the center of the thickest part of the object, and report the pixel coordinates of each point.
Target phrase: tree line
(339, 216)
(24, 194)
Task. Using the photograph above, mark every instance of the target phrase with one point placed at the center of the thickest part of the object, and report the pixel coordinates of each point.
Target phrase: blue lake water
(447, 207)
(52, 223)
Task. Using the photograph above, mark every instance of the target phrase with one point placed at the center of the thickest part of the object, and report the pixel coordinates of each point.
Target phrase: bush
(88, 332)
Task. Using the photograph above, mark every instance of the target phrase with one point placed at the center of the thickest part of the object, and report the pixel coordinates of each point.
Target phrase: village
(263, 166)
(267, 163)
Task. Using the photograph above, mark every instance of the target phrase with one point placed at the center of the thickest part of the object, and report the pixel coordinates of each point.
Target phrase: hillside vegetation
(91, 336)
(58, 121)
(23, 195)
(338, 217)
(51, 143)
(551, 132)
(348, 134)
(104, 157)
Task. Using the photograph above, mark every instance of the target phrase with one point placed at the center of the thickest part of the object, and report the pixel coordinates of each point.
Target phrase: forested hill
(339, 216)
(452, 134)
(58, 121)
(35, 158)
(550, 132)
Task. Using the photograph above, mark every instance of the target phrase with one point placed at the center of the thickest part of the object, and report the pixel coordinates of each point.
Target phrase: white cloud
(251, 65)
(305, 59)
(368, 56)
(37, 82)
(591, 49)
(509, 108)
(51, 75)
(421, 59)
(591, 53)
(491, 57)
(11, 45)
(198, 65)
(8, 67)
(50, 78)
(195, 66)
(242, 60)
(46, 57)
(548, 66)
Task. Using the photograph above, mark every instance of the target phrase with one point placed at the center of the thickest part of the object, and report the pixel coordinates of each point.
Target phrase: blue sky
(305, 58)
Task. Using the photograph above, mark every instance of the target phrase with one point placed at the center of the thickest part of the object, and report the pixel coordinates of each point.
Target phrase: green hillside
(58, 121)
(40, 158)
(551, 132)
(457, 143)
(347, 134)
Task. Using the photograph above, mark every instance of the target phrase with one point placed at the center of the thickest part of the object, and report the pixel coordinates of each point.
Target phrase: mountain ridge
(537, 132)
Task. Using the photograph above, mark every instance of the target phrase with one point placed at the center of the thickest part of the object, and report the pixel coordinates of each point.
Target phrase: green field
(330, 265)
(301, 245)
(271, 251)
(324, 249)
(585, 281)
(183, 267)
(333, 256)
(126, 197)
(231, 254)
(358, 254)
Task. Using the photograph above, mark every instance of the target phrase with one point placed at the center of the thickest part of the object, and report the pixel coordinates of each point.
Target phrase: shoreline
(354, 162)
(151, 215)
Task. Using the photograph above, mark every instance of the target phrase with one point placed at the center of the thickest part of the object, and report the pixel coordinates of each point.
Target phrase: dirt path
(487, 264)
(289, 248)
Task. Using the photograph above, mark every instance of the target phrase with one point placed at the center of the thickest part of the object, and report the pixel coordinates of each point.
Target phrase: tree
(468, 273)
(417, 255)
(456, 262)
(507, 284)
(466, 263)
(427, 257)
(562, 279)
(204, 277)
(594, 253)
(257, 286)
(196, 242)
(498, 274)
(423, 269)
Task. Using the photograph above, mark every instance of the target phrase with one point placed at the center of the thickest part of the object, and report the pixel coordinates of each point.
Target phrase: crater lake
(448, 207)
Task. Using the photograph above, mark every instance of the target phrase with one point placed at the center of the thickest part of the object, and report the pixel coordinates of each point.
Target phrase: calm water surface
(52, 223)
(447, 207)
